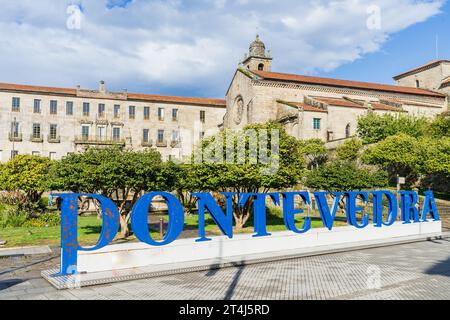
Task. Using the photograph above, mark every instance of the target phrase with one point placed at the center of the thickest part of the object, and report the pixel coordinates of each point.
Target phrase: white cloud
(195, 44)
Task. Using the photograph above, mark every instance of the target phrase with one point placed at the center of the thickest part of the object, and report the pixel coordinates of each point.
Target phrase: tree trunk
(124, 229)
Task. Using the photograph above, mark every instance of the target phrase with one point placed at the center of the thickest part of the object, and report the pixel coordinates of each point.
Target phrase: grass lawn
(89, 230)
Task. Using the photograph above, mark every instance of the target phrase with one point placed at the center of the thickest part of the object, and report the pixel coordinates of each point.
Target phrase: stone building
(56, 121)
(324, 108)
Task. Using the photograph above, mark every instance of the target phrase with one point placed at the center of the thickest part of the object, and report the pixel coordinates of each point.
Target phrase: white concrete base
(137, 255)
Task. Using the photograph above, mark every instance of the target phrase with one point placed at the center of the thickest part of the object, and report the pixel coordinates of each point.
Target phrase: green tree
(25, 173)
(120, 175)
(373, 128)
(314, 151)
(336, 176)
(345, 176)
(434, 155)
(398, 154)
(349, 150)
(243, 175)
(440, 126)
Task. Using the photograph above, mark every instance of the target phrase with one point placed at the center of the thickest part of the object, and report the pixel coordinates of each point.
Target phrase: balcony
(99, 141)
(15, 137)
(53, 138)
(161, 144)
(147, 144)
(38, 138)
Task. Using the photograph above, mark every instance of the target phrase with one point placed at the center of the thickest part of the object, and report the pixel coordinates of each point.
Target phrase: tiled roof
(384, 107)
(426, 66)
(37, 89)
(265, 75)
(174, 99)
(445, 83)
(305, 107)
(340, 102)
(412, 103)
(130, 96)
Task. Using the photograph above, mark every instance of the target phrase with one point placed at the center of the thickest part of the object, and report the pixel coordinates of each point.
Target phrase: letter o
(139, 218)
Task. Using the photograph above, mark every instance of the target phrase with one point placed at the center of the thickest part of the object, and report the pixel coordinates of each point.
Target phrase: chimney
(102, 87)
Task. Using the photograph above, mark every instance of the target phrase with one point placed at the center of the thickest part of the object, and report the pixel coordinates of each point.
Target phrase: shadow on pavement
(442, 268)
(5, 284)
(230, 291)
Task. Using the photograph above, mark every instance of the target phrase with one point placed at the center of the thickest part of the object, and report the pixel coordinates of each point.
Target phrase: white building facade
(54, 122)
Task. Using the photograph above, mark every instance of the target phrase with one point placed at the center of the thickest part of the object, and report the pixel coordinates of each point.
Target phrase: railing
(95, 140)
(161, 144)
(175, 143)
(53, 138)
(15, 137)
(148, 143)
(39, 138)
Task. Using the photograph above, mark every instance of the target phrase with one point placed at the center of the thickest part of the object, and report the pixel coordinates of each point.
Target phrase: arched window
(261, 67)
(347, 131)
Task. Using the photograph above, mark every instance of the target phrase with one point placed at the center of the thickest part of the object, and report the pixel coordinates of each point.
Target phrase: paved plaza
(411, 271)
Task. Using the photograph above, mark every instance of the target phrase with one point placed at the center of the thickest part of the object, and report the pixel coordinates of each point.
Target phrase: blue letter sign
(409, 205)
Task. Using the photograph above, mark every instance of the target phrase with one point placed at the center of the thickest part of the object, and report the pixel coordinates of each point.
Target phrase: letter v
(324, 210)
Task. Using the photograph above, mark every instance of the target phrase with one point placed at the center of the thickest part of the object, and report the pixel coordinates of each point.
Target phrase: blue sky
(192, 47)
(404, 50)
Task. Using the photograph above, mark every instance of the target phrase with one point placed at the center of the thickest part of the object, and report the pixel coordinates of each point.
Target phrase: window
(101, 133)
(36, 130)
(161, 114)
(37, 106)
(175, 114)
(146, 113)
(69, 108)
(347, 131)
(132, 112)
(202, 135)
(15, 129)
(15, 104)
(261, 67)
(316, 123)
(53, 107)
(116, 111)
(145, 135)
(116, 134)
(101, 110)
(53, 132)
(52, 155)
(160, 136)
(14, 153)
(86, 108)
(175, 135)
(417, 83)
(35, 153)
(85, 132)
(203, 116)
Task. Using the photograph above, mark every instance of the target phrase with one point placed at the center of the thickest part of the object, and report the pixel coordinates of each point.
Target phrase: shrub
(12, 217)
(44, 220)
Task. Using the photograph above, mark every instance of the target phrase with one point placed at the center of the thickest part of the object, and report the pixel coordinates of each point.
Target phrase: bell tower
(257, 59)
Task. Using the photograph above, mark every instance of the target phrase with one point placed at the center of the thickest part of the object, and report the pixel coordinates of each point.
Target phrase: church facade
(54, 122)
(324, 108)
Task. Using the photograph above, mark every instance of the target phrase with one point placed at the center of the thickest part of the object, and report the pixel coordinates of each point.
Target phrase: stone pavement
(411, 271)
